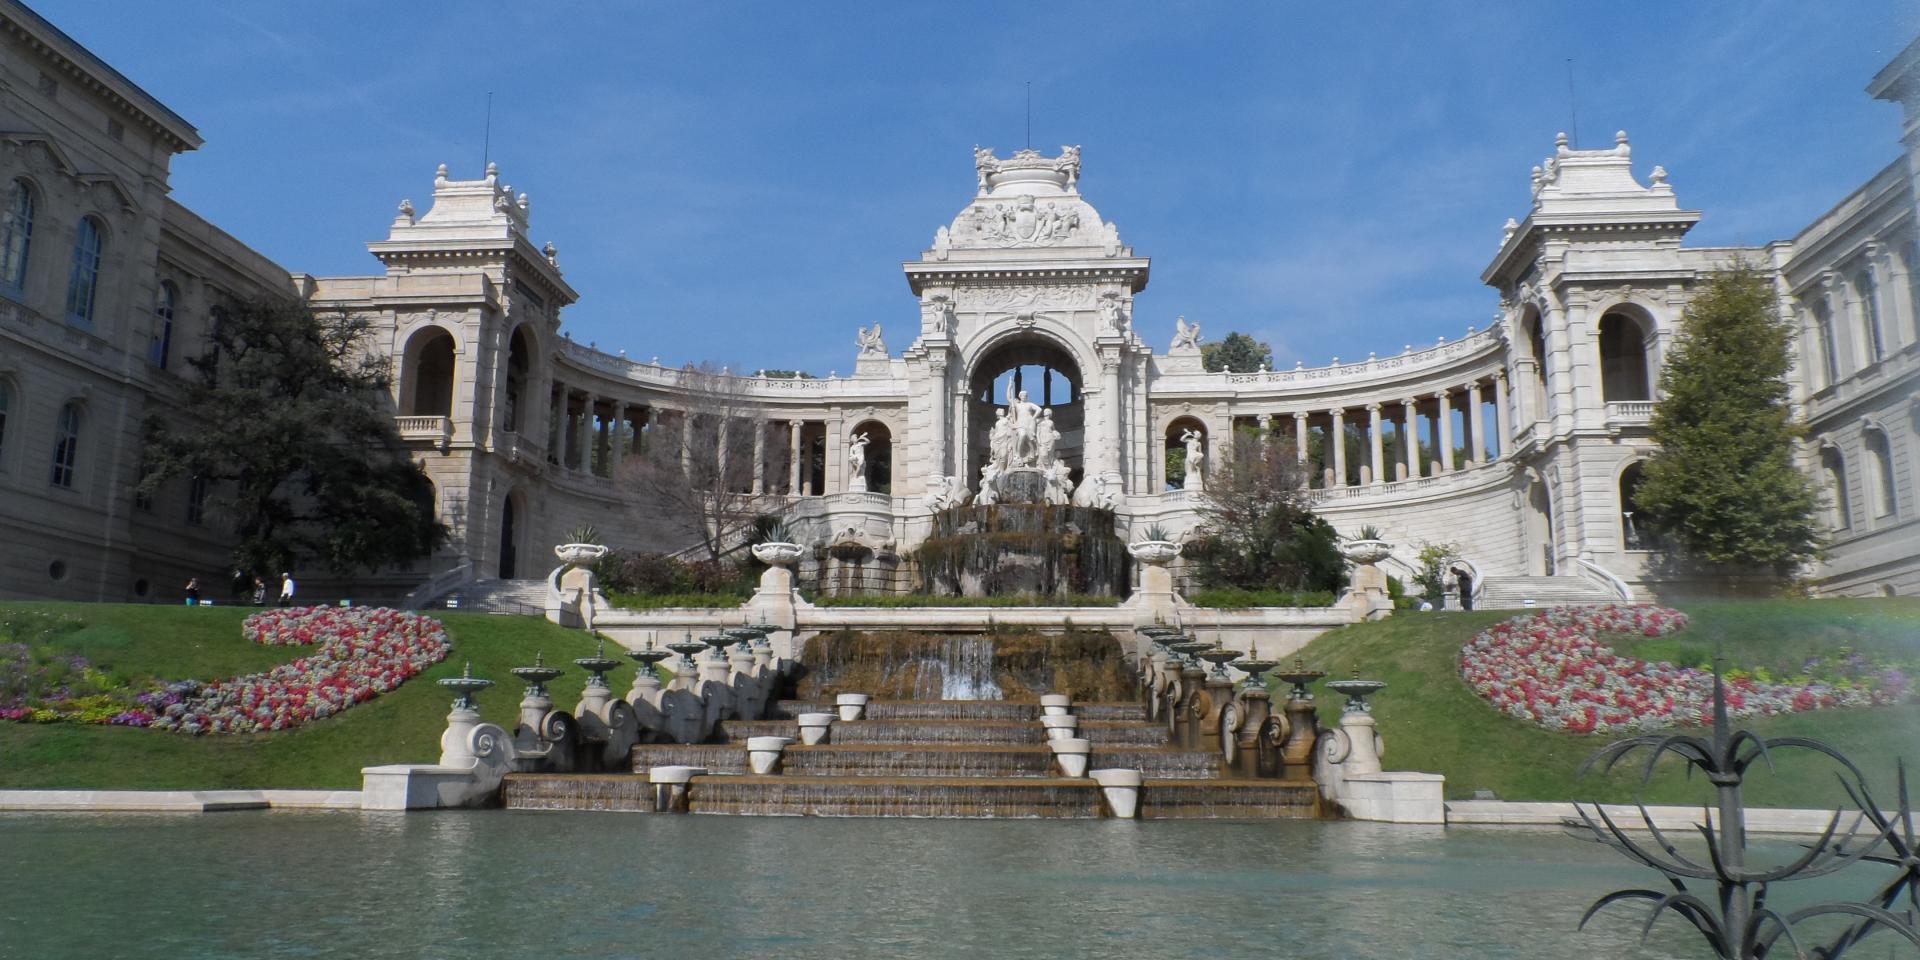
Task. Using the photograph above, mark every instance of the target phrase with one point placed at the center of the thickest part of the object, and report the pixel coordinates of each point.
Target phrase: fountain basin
(1055, 704)
(851, 705)
(763, 753)
(1073, 754)
(670, 787)
(813, 727)
(1120, 789)
(1060, 728)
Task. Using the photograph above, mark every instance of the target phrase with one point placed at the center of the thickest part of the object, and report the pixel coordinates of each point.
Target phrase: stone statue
(870, 343)
(1069, 164)
(1186, 336)
(857, 454)
(1000, 441)
(1113, 316)
(1059, 484)
(942, 315)
(988, 494)
(1024, 416)
(1195, 442)
(1045, 436)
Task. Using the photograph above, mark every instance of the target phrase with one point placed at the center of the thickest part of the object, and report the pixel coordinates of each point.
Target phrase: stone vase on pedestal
(1368, 598)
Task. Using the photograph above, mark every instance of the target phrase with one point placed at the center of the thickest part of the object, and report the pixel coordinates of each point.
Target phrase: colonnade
(1408, 415)
(593, 435)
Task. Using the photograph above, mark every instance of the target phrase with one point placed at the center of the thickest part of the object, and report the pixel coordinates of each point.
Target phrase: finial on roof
(522, 204)
(1619, 138)
(406, 208)
(1659, 174)
(440, 174)
(550, 253)
(493, 169)
(1560, 140)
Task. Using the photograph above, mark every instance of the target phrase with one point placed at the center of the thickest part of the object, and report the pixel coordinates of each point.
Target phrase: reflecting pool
(501, 884)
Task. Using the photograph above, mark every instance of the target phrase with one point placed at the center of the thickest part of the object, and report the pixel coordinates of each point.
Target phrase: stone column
(617, 441)
(686, 442)
(1410, 444)
(1477, 448)
(1445, 431)
(1375, 448)
(557, 422)
(1900, 289)
(937, 415)
(1264, 424)
(1107, 446)
(722, 467)
(1337, 438)
(759, 457)
(586, 433)
(836, 472)
(1502, 416)
(793, 457)
(1300, 436)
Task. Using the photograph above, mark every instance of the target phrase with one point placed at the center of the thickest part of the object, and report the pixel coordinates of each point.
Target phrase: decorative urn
(1366, 551)
(1155, 552)
(777, 553)
(579, 554)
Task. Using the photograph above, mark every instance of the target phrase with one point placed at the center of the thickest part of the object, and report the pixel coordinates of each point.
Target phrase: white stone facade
(1529, 429)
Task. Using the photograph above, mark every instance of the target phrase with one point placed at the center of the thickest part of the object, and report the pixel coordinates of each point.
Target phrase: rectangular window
(66, 446)
(84, 282)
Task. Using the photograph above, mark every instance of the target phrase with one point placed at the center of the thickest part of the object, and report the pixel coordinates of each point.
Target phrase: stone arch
(427, 372)
(1541, 556)
(1011, 350)
(1175, 466)
(877, 475)
(1833, 470)
(1883, 491)
(1533, 342)
(512, 534)
(520, 362)
(1634, 534)
(1626, 337)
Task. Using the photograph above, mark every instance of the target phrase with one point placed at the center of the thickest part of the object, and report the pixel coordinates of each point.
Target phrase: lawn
(402, 726)
(1431, 721)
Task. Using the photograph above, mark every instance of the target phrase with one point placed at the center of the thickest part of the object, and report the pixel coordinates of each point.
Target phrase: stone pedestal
(1251, 758)
(1218, 693)
(1302, 731)
(1363, 750)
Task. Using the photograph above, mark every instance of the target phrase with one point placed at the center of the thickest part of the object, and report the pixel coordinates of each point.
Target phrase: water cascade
(902, 665)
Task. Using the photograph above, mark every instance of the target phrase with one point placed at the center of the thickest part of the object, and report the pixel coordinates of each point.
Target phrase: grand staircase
(501, 596)
(954, 758)
(1512, 593)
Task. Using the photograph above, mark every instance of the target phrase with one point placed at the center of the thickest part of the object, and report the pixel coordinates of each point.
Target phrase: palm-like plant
(1738, 923)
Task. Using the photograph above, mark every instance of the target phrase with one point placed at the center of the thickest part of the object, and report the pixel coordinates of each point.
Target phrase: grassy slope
(1431, 721)
(399, 727)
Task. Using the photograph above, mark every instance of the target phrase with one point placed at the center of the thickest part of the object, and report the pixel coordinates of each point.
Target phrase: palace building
(1528, 433)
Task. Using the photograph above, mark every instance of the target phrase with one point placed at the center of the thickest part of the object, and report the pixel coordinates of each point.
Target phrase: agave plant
(1735, 918)
(584, 533)
(1369, 532)
(1154, 531)
(775, 530)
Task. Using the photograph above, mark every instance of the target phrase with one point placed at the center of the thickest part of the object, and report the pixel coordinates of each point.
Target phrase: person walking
(286, 589)
(259, 592)
(193, 591)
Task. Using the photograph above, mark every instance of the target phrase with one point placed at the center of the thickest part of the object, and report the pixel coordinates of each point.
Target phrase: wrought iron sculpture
(1736, 919)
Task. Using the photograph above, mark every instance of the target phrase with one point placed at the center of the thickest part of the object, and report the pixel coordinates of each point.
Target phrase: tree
(1257, 530)
(1237, 352)
(293, 440)
(695, 484)
(1723, 487)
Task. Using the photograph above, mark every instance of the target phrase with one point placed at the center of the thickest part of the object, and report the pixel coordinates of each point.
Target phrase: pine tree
(1723, 487)
(1237, 353)
(286, 422)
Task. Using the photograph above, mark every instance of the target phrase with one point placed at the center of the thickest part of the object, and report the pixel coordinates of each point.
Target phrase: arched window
(1633, 521)
(196, 501)
(160, 343)
(1884, 496)
(84, 282)
(66, 445)
(1537, 345)
(1834, 476)
(1868, 298)
(427, 390)
(518, 364)
(16, 234)
(1623, 359)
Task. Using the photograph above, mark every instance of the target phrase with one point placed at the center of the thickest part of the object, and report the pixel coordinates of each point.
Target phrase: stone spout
(813, 727)
(1121, 790)
(1072, 754)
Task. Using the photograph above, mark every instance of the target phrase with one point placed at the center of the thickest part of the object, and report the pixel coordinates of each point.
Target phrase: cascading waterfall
(966, 673)
(1000, 665)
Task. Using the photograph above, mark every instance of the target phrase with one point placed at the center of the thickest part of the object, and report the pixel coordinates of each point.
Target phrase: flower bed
(363, 652)
(1555, 669)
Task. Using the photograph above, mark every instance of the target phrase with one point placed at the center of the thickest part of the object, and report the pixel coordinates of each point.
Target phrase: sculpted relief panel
(1061, 296)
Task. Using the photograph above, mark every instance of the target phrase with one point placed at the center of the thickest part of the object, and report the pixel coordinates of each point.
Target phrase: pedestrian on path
(286, 589)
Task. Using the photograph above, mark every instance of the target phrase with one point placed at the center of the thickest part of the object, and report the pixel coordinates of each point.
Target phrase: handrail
(458, 575)
(1606, 578)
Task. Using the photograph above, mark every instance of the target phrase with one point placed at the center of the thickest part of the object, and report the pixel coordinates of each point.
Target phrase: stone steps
(1511, 593)
(504, 596)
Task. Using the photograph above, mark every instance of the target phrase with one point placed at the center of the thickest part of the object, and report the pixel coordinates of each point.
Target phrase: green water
(523, 885)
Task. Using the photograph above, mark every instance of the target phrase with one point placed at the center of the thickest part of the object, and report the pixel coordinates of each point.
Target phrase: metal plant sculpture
(1736, 919)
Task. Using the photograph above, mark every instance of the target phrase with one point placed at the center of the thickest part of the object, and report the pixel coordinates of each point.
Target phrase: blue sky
(739, 182)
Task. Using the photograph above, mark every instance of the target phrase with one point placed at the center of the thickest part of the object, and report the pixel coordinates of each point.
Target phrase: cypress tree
(1723, 489)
